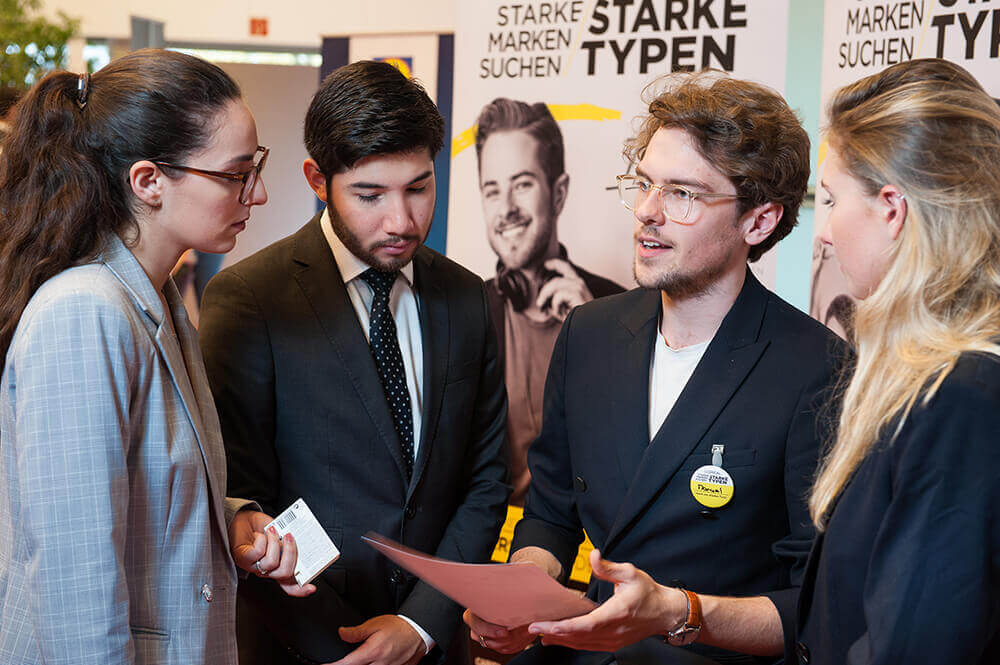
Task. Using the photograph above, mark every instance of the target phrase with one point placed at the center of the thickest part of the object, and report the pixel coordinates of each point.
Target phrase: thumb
(355, 634)
(608, 571)
(253, 551)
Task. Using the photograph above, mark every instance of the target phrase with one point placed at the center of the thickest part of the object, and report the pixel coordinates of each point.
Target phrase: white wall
(295, 23)
(279, 97)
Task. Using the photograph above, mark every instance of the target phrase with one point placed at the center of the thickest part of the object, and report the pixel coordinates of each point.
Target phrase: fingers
(480, 625)
(561, 293)
(584, 624)
(387, 640)
(358, 633)
(292, 588)
(497, 638)
(563, 267)
(610, 571)
(247, 553)
(245, 545)
(288, 553)
(593, 632)
(285, 572)
(269, 562)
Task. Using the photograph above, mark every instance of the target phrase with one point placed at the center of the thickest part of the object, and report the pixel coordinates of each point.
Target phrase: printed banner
(533, 204)
(862, 37)
(589, 60)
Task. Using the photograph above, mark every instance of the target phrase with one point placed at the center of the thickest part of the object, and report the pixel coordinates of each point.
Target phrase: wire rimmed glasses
(248, 179)
(633, 190)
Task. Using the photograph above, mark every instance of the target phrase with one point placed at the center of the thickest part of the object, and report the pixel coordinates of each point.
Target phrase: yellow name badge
(712, 486)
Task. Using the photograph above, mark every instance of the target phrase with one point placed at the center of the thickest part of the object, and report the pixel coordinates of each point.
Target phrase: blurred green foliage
(30, 44)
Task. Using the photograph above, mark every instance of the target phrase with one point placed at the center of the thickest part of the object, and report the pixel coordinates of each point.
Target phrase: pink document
(507, 594)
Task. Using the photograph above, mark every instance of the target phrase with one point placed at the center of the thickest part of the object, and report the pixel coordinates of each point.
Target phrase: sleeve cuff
(234, 505)
(428, 640)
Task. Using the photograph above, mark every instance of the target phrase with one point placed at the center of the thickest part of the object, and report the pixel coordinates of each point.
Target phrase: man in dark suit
(680, 419)
(357, 369)
(523, 184)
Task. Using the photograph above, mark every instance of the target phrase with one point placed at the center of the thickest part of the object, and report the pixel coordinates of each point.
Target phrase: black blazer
(757, 390)
(908, 569)
(304, 415)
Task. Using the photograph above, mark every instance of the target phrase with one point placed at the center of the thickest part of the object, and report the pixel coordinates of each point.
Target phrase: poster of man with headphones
(523, 185)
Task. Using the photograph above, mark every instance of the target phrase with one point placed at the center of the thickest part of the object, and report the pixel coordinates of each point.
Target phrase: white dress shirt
(405, 312)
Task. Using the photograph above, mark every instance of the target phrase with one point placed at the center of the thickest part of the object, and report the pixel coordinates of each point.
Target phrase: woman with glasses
(906, 568)
(113, 521)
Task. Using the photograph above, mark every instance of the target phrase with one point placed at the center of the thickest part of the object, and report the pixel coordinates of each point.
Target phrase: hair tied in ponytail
(83, 90)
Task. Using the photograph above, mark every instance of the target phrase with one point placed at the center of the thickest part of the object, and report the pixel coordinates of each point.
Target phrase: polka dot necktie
(389, 360)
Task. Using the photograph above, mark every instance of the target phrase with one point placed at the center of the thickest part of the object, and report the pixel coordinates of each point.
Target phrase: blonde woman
(906, 568)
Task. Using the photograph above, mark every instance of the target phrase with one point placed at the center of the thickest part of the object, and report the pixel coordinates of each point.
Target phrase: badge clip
(711, 485)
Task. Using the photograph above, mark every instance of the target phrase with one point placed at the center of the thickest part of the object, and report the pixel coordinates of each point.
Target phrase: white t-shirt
(669, 372)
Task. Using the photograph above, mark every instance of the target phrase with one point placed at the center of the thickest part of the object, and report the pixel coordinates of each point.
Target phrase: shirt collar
(351, 266)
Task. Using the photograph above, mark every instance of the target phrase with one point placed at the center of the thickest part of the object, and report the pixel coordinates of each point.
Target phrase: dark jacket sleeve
(930, 587)
(238, 359)
(812, 429)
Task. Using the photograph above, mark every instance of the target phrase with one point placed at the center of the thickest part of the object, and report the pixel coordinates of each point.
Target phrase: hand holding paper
(258, 549)
(639, 608)
(316, 550)
(513, 594)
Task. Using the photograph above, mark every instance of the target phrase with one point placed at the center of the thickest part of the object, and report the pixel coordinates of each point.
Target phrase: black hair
(369, 108)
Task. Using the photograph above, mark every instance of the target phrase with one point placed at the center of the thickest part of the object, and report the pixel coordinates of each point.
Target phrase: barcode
(285, 520)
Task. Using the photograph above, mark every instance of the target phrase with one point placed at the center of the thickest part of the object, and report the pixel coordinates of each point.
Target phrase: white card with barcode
(316, 550)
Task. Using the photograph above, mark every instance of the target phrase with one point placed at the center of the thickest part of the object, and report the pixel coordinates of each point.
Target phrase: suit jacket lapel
(316, 272)
(126, 267)
(208, 429)
(434, 328)
(639, 332)
(181, 356)
(201, 404)
(728, 360)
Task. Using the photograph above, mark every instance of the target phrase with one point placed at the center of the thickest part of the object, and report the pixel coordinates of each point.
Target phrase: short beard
(679, 285)
(354, 244)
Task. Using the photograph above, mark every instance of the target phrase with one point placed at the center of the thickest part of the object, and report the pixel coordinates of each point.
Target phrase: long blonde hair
(927, 127)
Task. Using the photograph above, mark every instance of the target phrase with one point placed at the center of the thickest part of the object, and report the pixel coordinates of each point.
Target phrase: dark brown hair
(743, 129)
(369, 108)
(64, 168)
(504, 114)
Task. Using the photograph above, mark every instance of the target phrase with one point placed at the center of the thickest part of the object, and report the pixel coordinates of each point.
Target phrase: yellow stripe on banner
(824, 147)
(464, 140)
(467, 138)
(583, 112)
(581, 567)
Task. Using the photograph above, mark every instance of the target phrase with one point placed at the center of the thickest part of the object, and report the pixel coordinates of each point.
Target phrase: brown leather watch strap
(688, 631)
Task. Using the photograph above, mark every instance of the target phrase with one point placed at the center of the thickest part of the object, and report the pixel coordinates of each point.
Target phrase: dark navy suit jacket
(908, 569)
(758, 390)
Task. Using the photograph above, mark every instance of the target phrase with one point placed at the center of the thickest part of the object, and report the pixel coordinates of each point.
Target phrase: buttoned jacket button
(206, 593)
(397, 577)
(410, 512)
(803, 652)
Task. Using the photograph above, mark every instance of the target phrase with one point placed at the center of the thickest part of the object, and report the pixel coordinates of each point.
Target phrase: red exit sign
(258, 27)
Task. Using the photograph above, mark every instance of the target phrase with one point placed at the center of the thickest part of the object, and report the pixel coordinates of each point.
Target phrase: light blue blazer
(113, 545)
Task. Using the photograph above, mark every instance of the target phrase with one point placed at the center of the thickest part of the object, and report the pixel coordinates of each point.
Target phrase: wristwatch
(688, 631)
